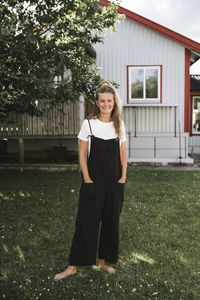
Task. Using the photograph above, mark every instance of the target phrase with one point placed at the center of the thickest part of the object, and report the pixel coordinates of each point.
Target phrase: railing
(157, 146)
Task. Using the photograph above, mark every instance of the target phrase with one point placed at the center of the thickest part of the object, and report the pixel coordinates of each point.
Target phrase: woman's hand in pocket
(88, 180)
(122, 180)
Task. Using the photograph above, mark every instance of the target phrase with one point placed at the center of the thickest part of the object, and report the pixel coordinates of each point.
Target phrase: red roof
(188, 43)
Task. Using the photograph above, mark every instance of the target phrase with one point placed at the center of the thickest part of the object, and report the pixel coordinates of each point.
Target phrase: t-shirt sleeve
(123, 131)
(84, 131)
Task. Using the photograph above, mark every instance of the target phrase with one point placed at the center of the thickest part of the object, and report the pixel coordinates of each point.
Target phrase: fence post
(180, 157)
(129, 144)
(135, 121)
(154, 146)
(185, 146)
(175, 108)
(21, 154)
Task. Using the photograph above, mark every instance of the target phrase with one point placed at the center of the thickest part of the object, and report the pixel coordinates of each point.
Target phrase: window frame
(192, 108)
(144, 100)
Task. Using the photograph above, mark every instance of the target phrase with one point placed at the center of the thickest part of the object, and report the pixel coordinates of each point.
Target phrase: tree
(46, 51)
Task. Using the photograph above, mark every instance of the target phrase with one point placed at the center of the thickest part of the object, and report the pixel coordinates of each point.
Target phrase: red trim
(157, 27)
(144, 66)
(127, 84)
(160, 83)
(195, 93)
(187, 91)
(191, 109)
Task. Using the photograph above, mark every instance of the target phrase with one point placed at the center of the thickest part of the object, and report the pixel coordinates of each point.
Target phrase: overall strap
(90, 127)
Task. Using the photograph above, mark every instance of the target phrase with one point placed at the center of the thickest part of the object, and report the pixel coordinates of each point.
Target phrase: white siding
(194, 144)
(151, 120)
(157, 147)
(133, 44)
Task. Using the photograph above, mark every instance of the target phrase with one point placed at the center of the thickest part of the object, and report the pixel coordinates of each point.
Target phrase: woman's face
(105, 103)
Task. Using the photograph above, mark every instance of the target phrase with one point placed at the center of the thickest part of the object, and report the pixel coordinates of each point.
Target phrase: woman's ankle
(73, 268)
(102, 261)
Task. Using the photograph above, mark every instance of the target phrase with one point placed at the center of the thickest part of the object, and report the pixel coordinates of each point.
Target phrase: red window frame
(146, 101)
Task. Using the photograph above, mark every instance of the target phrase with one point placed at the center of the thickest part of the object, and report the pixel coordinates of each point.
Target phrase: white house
(152, 65)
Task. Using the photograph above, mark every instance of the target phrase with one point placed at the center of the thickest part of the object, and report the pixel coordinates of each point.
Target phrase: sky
(182, 16)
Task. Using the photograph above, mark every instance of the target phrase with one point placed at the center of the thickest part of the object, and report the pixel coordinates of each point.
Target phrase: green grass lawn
(159, 238)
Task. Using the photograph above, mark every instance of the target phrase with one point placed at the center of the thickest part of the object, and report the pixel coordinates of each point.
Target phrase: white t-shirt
(103, 130)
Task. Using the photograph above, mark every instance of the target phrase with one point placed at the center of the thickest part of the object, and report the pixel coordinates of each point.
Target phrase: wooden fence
(63, 120)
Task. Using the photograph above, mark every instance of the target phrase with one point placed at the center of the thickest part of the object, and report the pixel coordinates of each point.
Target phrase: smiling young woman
(103, 161)
(105, 104)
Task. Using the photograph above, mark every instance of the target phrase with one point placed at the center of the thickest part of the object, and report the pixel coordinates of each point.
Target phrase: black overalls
(100, 201)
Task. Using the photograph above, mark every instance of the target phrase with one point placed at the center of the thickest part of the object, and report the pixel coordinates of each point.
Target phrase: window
(196, 115)
(144, 84)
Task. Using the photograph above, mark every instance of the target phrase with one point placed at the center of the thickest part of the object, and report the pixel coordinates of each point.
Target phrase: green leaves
(42, 40)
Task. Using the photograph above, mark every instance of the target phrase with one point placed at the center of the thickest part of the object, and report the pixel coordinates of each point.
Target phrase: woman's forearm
(83, 158)
(84, 166)
(124, 166)
(123, 156)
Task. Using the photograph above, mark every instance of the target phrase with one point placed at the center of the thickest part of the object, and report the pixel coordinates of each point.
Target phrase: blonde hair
(106, 87)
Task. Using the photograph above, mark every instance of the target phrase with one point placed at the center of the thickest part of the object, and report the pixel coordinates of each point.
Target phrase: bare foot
(103, 266)
(69, 271)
